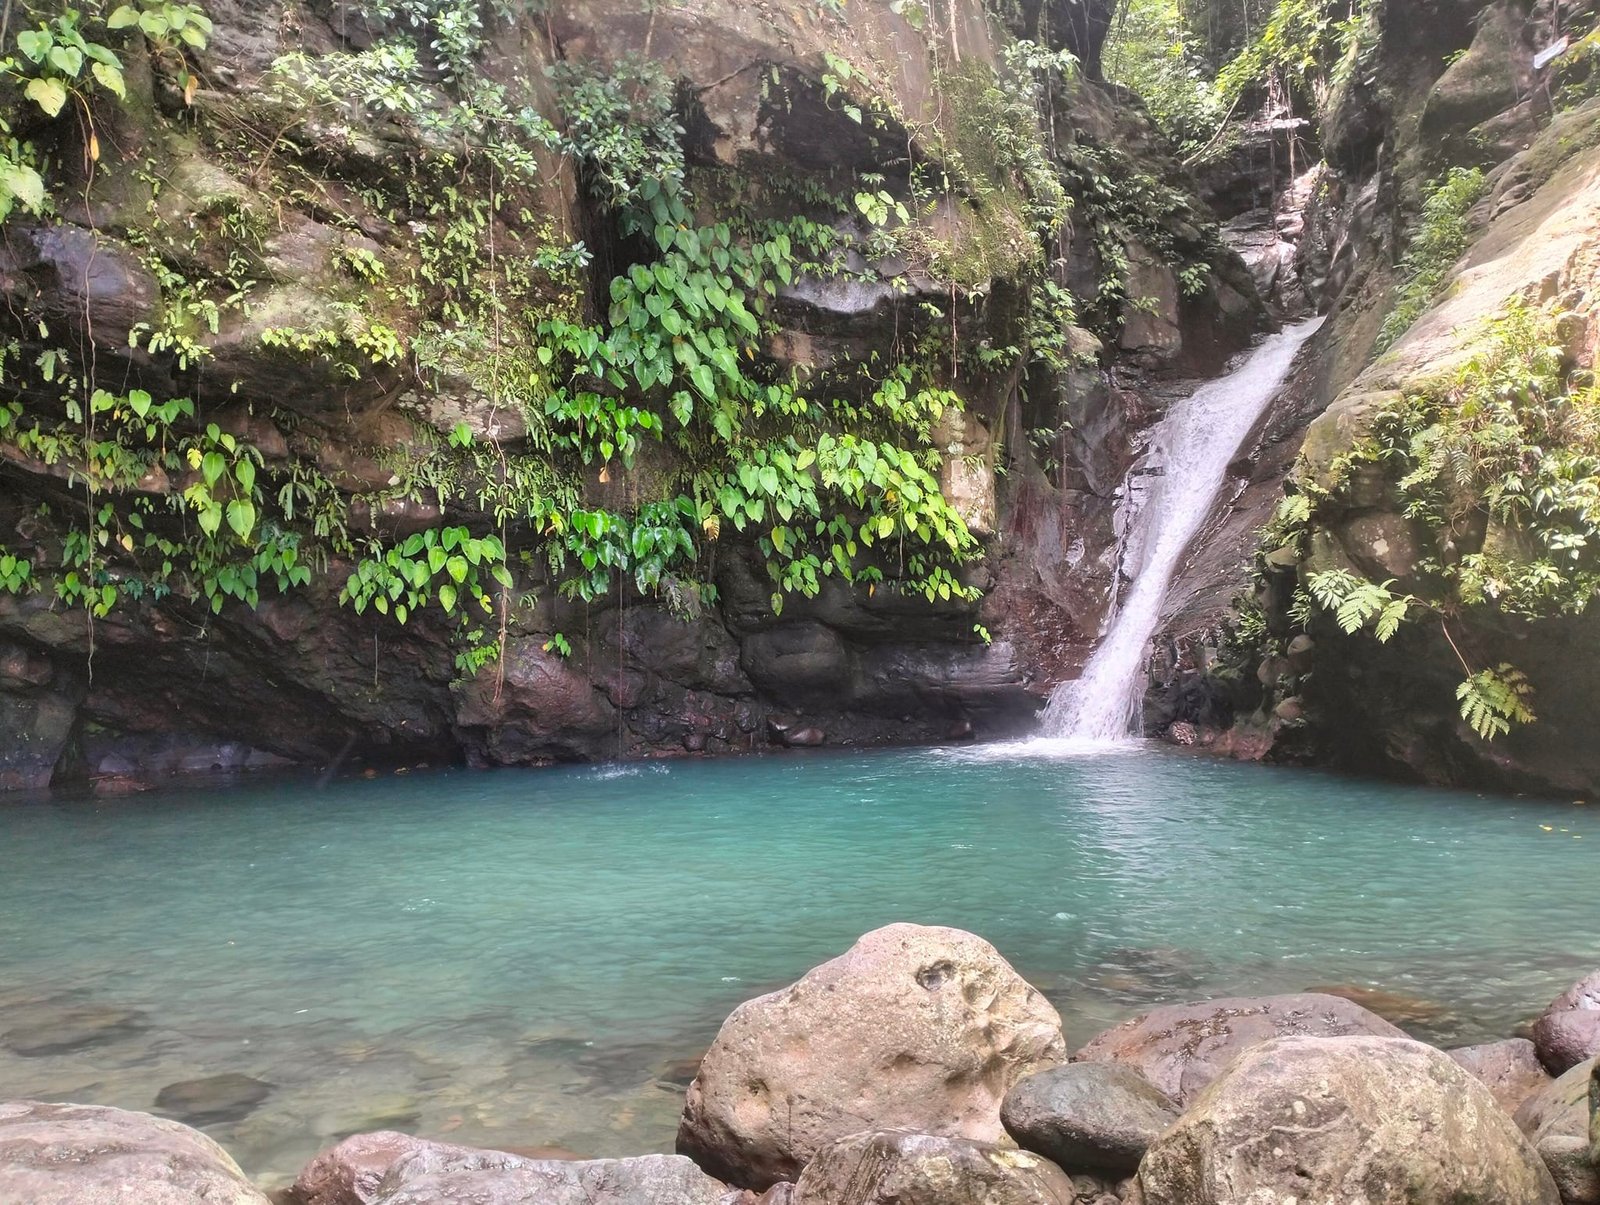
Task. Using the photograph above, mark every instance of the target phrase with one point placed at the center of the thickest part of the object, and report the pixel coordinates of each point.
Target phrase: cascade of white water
(1188, 457)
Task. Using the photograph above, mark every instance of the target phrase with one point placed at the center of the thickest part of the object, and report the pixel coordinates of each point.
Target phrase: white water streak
(1190, 450)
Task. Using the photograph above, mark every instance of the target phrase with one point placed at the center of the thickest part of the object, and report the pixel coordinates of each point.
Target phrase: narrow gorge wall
(1435, 95)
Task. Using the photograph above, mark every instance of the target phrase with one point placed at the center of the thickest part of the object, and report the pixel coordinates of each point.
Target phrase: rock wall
(1452, 89)
(211, 171)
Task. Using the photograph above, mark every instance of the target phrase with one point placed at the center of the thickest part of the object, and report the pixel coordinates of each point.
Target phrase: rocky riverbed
(918, 1068)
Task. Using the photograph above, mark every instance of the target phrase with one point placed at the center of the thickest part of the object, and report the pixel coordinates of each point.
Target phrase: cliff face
(1442, 126)
(437, 381)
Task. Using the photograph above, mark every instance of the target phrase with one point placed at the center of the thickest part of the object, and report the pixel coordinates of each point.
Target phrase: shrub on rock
(54, 1154)
(897, 1167)
(1183, 1047)
(914, 1027)
(1383, 1121)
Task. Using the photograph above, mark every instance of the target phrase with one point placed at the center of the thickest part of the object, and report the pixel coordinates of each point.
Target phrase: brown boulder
(1382, 1121)
(917, 1027)
(1183, 1047)
(1509, 1069)
(86, 1155)
(1568, 1032)
(897, 1167)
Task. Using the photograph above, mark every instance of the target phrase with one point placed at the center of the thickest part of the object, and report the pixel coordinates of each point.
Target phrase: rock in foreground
(1088, 1117)
(1183, 1047)
(1568, 1032)
(915, 1027)
(87, 1155)
(896, 1167)
(440, 1175)
(1509, 1069)
(1382, 1121)
(350, 1172)
(1561, 1109)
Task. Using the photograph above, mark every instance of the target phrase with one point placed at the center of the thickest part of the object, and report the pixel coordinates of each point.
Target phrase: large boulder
(1568, 1032)
(1183, 1047)
(916, 1027)
(437, 1174)
(350, 1172)
(1561, 1109)
(897, 1167)
(54, 1154)
(1088, 1117)
(1382, 1121)
(1509, 1069)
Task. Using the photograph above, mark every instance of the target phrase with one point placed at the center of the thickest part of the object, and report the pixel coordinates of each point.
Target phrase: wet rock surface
(916, 1027)
(1088, 1117)
(215, 1098)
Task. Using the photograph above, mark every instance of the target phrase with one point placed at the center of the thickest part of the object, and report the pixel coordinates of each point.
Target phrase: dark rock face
(891, 1167)
(1181, 1048)
(1087, 1117)
(1383, 1120)
(84, 1155)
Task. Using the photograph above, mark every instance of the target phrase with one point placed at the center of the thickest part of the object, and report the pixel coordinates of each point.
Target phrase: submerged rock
(1183, 1047)
(49, 1029)
(1094, 1117)
(920, 1027)
(216, 1098)
(1568, 1032)
(87, 1155)
(437, 1174)
(1383, 1121)
(897, 1167)
(1509, 1069)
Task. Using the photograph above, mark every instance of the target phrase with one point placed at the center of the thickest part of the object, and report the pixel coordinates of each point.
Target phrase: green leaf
(49, 94)
(457, 567)
(447, 596)
(122, 17)
(35, 43)
(704, 381)
(110, 78)
(66, 59)
(245, 473)
(210, 519)
(241, 517)
(212, 466)
(19, 181)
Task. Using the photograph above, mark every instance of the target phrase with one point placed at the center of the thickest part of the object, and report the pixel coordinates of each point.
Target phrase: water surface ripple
(528, 958)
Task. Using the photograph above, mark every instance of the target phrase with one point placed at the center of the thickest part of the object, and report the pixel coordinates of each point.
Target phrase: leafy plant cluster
(1441, 236)
(1499, 464)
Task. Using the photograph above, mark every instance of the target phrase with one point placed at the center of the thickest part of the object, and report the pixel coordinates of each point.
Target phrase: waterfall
(1189, 453)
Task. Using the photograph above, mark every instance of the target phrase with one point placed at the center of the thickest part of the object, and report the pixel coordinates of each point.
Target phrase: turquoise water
(528, 958)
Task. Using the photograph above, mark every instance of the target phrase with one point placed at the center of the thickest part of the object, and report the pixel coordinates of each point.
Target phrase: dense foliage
(1499, 465)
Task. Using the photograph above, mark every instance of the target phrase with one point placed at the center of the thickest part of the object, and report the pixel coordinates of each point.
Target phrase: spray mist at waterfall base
(1180, 476)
